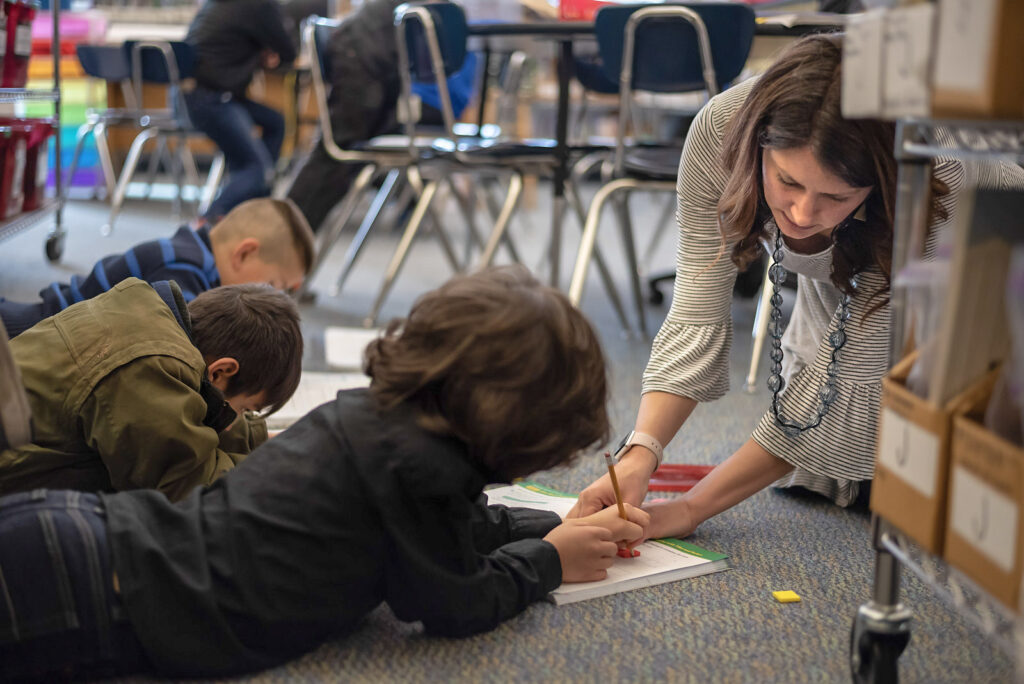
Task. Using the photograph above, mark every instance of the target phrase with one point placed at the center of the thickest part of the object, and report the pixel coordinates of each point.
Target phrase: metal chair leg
(515, 189)
(130, 163)
(494, 207)
(416, 181)
(626, 227)
(213, 179)
(398, 258)
(469, 216)
(589, 237)
(664, 221)
(83, 131)
(154, 165)
(356, 246)
(99, 135)
(760, 332)
(602, 266)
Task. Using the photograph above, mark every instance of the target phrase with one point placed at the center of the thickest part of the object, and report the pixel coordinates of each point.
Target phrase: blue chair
(168, 64)
(431, 40)
(662, 49)
(106, 63)
(392, 156)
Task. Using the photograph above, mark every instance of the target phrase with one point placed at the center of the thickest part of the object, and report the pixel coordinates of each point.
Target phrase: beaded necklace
(836, 339)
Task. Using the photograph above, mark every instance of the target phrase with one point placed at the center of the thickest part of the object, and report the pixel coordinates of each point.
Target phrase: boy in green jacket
(134, 389)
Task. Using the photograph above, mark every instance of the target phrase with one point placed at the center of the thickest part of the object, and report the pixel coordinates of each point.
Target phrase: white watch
(640, 439)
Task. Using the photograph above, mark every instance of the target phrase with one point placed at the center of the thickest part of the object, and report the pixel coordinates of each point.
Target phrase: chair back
(675, 47)
(669, 49)
(431, 38)
(108, 63)
(163, 62)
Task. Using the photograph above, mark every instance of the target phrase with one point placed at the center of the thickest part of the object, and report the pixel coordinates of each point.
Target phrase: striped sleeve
(690, 354)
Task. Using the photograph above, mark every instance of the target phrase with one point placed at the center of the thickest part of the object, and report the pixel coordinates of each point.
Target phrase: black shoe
(15, 416)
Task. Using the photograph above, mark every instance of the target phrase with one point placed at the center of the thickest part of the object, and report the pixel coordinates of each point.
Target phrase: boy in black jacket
(373, 497)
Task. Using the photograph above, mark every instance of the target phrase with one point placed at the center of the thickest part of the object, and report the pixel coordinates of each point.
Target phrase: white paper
(963, 43)
(862, 66)
(907, 41)
(314, 389)
(909, 451)
(343, 347)
(657, 563)
(984, 517)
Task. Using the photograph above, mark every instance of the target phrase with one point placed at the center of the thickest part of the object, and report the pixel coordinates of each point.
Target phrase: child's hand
(588, 547)
(610, 520)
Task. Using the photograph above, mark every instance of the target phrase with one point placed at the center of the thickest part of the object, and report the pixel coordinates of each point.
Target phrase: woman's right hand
(633, 473)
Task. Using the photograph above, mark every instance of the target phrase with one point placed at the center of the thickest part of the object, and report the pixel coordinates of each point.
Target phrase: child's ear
(220, 371)
(245, 248)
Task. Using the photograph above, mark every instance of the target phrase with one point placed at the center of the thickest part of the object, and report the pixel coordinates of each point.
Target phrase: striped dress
(690, 354)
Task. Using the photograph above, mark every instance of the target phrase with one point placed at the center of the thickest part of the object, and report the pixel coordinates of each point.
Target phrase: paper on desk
(343, 347)
(314, 389)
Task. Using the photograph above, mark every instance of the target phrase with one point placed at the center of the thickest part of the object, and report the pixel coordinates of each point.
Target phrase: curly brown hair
(796, 103)
(502, 363)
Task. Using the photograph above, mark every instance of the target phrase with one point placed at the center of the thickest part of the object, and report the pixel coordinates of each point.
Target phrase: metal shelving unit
(881, 628)
(54, 246)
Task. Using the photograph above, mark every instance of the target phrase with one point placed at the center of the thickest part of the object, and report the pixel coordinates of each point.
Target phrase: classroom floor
(723, 627)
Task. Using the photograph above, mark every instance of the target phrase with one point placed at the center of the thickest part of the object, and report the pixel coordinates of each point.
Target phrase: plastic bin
(37, 154)
(12, 169)
(19, 43)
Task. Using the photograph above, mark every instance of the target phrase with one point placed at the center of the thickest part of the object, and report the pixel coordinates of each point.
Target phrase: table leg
(564, 68)
(484, 83)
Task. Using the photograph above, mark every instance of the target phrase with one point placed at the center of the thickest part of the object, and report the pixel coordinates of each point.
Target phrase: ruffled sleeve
(690, 354)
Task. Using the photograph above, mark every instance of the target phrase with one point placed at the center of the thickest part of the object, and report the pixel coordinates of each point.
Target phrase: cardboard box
(906, 61)
(985, 528)
(912, 466)
(978, 58)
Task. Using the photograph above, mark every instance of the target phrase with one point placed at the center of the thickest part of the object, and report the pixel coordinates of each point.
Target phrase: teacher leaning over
(771, 164)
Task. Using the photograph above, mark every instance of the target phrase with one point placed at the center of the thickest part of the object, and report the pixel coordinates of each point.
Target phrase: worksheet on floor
(314, 389)
(660, 560)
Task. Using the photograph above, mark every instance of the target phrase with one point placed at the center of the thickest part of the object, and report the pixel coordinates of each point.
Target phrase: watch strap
(643, 439)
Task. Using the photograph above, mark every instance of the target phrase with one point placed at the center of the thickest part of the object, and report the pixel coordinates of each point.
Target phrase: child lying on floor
(375, 497)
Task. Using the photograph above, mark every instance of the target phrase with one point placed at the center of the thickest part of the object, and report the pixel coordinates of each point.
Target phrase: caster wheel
(874, 656)
(54, 247)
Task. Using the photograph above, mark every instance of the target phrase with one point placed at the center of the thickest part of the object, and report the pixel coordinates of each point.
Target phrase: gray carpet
(723, 628)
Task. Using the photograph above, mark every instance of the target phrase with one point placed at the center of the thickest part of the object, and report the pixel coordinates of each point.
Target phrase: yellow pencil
(615, 485)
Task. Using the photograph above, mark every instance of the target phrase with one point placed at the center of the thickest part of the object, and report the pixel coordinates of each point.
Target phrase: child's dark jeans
(250, 160)
(60, 617)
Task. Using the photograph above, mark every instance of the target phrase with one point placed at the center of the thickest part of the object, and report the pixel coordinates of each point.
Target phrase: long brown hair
(796, 103)
(502, 363)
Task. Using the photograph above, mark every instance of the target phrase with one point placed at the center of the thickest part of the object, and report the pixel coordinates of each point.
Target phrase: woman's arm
(661, 415)
(746, 472)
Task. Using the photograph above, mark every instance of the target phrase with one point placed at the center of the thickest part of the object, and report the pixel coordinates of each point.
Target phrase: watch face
(623, 442)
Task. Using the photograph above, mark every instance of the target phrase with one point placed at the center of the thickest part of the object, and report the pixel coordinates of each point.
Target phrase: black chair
(432, 45)
(662, 49)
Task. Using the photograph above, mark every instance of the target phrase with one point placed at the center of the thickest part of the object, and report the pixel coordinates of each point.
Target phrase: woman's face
(806, 200)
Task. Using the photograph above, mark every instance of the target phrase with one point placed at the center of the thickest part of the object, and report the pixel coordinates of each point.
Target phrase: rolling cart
(54, 246)
(882, 626)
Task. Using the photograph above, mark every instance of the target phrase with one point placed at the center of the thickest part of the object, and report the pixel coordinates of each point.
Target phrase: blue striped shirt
(186, 258)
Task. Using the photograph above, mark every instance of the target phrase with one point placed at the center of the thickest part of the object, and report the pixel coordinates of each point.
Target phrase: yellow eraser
(786, 596)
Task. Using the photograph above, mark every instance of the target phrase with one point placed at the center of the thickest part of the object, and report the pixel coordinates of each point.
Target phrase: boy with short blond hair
(259, 241)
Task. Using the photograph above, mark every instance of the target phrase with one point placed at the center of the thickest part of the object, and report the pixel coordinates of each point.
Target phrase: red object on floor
(677, 477)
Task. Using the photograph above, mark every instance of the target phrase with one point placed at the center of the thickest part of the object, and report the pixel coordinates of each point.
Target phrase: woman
(771, 164)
